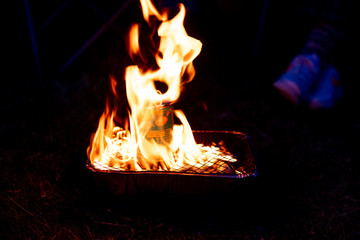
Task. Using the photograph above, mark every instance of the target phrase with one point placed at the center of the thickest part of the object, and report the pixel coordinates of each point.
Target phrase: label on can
(162, 122)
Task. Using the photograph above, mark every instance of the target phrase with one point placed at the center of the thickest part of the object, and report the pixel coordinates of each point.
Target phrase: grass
(308, 186)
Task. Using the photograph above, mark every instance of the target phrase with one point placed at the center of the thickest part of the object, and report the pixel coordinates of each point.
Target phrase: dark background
(308, 184)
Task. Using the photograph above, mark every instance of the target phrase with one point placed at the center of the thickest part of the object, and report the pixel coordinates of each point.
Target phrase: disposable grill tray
(183, 181)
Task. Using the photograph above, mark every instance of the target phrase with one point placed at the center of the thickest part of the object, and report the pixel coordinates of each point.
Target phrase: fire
(152, 141)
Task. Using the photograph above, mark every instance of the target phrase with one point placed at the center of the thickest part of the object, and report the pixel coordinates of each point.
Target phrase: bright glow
(152, 142)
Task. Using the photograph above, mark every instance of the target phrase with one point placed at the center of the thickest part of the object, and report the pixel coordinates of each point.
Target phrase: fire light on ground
(152, 142)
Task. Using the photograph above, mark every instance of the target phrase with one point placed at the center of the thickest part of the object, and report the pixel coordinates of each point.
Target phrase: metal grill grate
(218, 165)
(211, 166)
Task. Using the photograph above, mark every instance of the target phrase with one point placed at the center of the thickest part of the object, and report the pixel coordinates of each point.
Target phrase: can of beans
(162, 121)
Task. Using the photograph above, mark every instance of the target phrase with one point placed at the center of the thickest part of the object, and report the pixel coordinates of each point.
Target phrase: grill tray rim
(219, 175)
(152, 172)
(170, 182)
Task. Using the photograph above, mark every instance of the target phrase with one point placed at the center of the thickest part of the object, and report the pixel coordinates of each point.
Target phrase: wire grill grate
(217, 165)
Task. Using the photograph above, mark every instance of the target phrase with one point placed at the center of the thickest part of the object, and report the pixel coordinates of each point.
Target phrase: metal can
(162, 122)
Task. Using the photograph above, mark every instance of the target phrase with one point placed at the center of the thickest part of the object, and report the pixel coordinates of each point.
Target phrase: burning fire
(152, 141)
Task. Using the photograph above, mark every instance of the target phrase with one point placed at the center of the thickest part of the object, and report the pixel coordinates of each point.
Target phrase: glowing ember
(152, 141)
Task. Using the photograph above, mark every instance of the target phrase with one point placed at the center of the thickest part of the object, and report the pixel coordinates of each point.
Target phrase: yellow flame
(134, 48)
(148, 9)
(137, 148)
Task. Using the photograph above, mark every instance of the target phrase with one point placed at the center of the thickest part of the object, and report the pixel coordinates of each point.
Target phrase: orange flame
(141, 147)
(149, 9)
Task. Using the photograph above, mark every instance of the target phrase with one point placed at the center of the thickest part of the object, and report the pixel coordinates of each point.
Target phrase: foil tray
(168, 182)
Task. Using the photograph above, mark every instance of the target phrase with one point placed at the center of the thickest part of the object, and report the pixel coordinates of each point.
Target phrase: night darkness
(54, 83)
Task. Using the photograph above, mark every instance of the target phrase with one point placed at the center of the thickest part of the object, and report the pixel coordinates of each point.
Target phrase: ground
(308, 182)
(307, 188)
